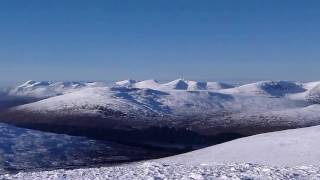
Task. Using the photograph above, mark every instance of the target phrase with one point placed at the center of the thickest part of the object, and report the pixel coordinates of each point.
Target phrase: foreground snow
(290, 154)
(296, 147)
(150, 170)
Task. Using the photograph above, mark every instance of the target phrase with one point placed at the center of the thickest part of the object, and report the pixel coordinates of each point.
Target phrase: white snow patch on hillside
(151, 84)
(195, 86)
(126, 83)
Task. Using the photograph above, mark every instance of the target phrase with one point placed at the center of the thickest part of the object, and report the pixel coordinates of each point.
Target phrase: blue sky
(161, 39)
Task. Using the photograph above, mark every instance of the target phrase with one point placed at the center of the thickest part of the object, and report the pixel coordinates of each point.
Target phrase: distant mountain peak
(127, 82)
(178, 84)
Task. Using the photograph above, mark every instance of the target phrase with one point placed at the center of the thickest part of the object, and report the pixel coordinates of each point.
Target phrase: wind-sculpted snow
(151, 170)
(29, 150)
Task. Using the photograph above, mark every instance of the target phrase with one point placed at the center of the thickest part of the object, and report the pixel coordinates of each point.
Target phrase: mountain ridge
(238, 111)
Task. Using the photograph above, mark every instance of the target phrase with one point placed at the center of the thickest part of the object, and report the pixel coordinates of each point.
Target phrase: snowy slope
(194, 85)
(129, 101)
(151, 84)
(295, 147)
(178, 84)
(290, 154)
(126, 83)
(269, 88)
(313, 94)
(310, 85)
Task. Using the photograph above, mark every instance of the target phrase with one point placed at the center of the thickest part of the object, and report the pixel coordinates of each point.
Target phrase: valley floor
(154, 170)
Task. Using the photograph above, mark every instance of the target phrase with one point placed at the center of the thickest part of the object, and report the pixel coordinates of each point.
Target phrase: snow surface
(128, 82)
(290, 154)
(297, 147)
(310, 85)
(151, 170)
(151, 84)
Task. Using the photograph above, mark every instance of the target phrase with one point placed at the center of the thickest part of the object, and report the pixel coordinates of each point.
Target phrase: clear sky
(161, 39)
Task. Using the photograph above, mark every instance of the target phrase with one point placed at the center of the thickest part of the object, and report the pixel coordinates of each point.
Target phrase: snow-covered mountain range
(204, 109)
(178, 84)
(177, 115)
(45, 89)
